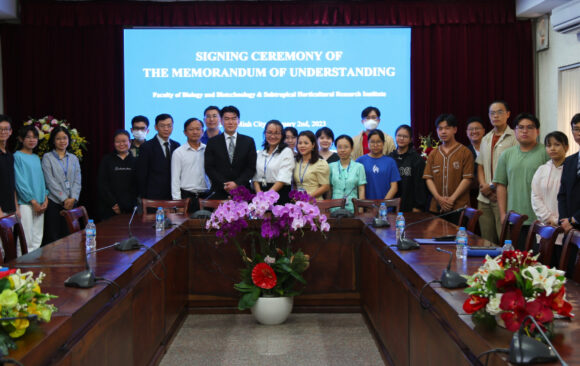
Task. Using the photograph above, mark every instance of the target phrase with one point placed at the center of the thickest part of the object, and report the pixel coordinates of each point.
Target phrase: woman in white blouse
(274, 164)
(546, 181)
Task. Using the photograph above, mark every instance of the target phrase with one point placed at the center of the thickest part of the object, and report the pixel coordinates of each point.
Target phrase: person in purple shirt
(381, 171)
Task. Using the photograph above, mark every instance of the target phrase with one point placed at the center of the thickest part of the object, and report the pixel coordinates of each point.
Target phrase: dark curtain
(66, 58)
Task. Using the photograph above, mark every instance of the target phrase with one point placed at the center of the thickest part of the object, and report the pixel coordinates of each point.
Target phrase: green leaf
(293, 273)
(249, 299)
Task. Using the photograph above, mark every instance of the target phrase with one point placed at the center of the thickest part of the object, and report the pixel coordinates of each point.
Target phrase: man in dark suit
(154, 162)
(230, 158)
(568, 196)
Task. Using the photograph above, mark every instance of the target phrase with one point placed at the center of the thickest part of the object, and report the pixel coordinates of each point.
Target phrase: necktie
(231, 148)
(578, 168)
(167, 152)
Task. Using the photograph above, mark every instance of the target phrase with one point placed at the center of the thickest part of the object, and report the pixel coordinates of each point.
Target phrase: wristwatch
(492, 186)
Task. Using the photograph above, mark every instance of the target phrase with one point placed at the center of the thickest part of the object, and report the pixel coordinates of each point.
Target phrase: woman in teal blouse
(347, 177)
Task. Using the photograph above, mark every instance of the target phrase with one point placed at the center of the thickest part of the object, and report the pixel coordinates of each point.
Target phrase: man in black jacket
(568, 197)
(230, 158)
(154, 162)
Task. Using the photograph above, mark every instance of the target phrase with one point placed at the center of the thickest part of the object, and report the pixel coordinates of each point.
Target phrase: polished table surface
(413, 269)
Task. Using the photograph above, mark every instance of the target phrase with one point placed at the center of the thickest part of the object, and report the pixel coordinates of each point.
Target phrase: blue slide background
(148, 48)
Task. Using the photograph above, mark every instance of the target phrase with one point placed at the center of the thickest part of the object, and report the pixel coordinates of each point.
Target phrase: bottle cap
(159, 208)
(91, 221)
(462, 228)
(507, 242)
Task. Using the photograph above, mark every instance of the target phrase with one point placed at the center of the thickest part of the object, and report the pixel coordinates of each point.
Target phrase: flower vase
(272, 310)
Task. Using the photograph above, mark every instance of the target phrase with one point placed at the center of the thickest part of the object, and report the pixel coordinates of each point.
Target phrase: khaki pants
(489, 221)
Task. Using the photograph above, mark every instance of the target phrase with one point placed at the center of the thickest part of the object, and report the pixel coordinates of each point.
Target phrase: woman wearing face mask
(546, 182)
(325, 138)
(117, 180)
(62, 173)
(347, 177)
(274, 164)
(411, 190)
(371, 117)
(311, 173)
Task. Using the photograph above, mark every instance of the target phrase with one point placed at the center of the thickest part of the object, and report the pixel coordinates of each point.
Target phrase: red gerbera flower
(474, 303)
(264, 276)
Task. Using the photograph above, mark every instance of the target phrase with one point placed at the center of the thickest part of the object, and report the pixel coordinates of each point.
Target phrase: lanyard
(65, 169)
(266, 163)
(341, 171)
(300, 174)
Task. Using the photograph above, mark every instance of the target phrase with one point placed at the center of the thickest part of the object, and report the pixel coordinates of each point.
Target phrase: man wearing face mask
(371, 117)
(139, 129)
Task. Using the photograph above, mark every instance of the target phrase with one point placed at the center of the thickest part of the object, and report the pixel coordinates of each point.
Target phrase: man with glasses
(154, 162)
(139, 129)
(230, 158)
(449, 170)
(211, 116)
(371, 117)
(516, 168)
(8, 202)
(493, 144)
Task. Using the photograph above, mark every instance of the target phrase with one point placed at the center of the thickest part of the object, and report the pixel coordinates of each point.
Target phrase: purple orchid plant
(279, 226)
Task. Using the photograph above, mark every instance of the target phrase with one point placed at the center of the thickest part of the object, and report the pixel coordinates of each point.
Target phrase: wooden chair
(326, 205)
(213, 204)
(571, 246)
(513, 224)
(11, 232)
(169, 206)
(548, 235)
(373, 205)
(472, 216)
(73, 218)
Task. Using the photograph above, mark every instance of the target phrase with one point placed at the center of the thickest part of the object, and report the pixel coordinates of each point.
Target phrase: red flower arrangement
(264, 276)
(513, 285)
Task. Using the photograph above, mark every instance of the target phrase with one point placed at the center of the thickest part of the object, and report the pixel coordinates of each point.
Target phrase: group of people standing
(37, 190)
(503, 170)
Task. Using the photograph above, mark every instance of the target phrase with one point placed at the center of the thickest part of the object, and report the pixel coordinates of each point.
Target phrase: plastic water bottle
(160, 219)
(461, 244)
(383, 211)
(507, 246)
(400, 225)
(91, 236)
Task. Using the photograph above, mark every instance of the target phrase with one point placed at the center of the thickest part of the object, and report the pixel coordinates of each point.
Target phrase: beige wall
(564, 49)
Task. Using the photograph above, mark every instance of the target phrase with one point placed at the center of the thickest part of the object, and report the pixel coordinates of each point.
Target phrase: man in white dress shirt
(188, 179)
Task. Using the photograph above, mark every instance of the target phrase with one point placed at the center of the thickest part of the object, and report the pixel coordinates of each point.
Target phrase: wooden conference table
(356, 269)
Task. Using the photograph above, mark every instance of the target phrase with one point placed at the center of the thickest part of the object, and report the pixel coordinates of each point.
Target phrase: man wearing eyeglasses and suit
(230, 158)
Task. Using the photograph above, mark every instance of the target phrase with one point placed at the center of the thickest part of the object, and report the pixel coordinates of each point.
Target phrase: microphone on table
(82, 279)
(203, 214)
(343, 212)
(449, 278)
(524, 349)
(404, 243)
(131, 243)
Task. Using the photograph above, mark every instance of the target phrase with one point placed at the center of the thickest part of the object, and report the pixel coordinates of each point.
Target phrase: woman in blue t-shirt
(381, 171)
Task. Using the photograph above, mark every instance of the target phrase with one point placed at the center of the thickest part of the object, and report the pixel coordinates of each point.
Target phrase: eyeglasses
(164, 127)
(576, 130)
(5, 129)
(375, 143)
(525, 128)
(139, 128)
(501, 112)
(270, 133)
(474, 129)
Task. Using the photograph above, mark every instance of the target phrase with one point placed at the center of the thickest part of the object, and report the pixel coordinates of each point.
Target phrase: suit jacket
(568, 196)
(219, 169)
(154, 170)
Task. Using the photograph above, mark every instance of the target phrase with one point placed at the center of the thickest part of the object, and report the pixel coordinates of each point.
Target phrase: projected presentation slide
(305, 77)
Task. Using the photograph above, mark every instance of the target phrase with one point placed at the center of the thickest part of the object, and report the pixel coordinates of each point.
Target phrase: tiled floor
(305, 339)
